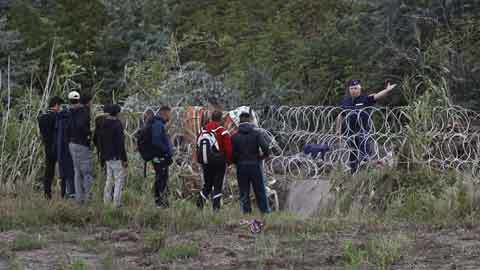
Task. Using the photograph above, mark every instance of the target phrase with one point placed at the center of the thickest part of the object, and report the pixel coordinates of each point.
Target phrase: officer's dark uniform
(356, 127)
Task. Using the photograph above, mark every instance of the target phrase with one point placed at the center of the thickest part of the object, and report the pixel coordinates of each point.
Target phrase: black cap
(112, 109)
(244, 115)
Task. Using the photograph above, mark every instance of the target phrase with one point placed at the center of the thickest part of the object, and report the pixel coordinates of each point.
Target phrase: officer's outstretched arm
(385, 92)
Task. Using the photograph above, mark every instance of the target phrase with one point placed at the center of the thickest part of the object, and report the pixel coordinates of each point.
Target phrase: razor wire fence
(441, 138)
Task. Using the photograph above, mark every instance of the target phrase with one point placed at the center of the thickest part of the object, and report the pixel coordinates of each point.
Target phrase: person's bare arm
(385, 92)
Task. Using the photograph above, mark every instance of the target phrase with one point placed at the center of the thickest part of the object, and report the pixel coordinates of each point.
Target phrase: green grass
(180, 251)
(377, 253)
(387, 250)
(354, 256)
(154, 241)
(25, 242)
(79, 264)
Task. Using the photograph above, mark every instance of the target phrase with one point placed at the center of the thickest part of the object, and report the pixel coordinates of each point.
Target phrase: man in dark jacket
(65, 162)
(110, 141)
(214, 172)
(79, 143)
(247, 143)
(163, 155)
(47, 123)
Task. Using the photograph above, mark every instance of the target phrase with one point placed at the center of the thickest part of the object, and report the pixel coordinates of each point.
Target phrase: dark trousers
(160, 186)
(213, 176)
(49, 175)
(63, 187)
(359, 150)
(252, 175)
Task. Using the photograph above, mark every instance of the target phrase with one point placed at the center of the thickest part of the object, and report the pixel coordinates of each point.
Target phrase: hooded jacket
(247, 143)
(223, 138)
(110, 140)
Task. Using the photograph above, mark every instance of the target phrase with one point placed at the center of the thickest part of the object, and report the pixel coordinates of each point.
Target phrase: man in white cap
(79, 135)
(74, 97)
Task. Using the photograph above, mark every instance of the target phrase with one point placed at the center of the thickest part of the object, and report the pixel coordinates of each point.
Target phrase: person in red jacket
(214, 173)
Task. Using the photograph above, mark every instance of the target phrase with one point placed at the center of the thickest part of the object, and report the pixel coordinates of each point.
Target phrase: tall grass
(20, 158)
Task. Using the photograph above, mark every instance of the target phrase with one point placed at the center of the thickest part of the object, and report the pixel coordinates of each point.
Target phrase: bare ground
(234, 247)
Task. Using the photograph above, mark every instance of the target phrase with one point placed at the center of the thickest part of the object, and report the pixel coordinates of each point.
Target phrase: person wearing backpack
(79, 134)
(47, 123)
(110, 141)
(246, 145)
(214, 152)
(153, 144)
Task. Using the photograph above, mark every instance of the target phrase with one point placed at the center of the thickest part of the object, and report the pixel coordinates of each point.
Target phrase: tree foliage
(270, 51)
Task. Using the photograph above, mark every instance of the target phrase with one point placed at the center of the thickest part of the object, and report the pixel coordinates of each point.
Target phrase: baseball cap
(354, 83)
(74, 95)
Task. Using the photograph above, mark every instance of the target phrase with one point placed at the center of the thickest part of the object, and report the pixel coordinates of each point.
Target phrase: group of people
(67, 137)
(68, 140)
(247, 148)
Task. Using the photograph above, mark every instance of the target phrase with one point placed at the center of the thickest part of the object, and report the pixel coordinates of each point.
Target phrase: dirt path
(236, 248)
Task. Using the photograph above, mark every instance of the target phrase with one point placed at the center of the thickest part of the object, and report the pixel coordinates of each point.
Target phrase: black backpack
(144, 143)
(145, 146)
(208, 150)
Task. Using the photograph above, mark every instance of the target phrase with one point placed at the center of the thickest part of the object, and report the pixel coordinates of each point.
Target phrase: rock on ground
(307, 197)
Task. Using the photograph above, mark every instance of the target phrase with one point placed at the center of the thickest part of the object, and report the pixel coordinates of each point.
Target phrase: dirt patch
(445, 250)
(236, 248)
(57, 256)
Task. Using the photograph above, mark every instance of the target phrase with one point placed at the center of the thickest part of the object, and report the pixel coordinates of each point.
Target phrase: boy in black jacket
(110, 141)
(47, 123)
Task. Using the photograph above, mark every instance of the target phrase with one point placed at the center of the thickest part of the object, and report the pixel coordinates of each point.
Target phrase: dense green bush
(300, 51)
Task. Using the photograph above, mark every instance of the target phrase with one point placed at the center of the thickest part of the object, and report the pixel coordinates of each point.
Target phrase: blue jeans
(251, 174)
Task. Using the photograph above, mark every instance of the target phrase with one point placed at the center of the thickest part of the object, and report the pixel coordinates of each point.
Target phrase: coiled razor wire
(440, 138)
